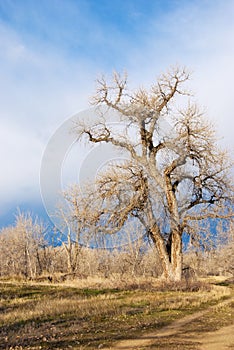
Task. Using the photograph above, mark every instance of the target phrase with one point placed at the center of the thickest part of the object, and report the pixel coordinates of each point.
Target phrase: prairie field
(63, 316)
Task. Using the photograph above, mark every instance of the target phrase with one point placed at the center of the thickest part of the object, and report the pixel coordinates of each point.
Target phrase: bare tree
(218, 259)
(72, 219)
(21, 247)
(176, 176)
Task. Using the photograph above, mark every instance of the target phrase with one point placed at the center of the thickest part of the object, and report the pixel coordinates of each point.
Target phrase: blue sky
(52, 51)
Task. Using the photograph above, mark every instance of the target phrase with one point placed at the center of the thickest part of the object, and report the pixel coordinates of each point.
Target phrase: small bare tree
(175, 176)
(21, 247)
(72, 218)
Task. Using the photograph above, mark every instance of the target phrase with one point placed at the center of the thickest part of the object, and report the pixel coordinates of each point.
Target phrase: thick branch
(206, 216)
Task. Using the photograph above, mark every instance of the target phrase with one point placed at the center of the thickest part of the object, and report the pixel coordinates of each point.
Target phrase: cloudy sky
(52, 51)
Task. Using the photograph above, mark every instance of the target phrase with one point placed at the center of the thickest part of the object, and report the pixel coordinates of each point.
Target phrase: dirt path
(218, 340)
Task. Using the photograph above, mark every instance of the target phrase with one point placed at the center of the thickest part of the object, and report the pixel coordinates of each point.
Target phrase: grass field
(47, 316)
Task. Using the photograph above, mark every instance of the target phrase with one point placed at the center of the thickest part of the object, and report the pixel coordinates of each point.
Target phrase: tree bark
(171, 256)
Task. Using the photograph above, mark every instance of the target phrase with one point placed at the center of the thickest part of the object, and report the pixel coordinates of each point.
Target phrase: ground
(47, 316)
(186, 333)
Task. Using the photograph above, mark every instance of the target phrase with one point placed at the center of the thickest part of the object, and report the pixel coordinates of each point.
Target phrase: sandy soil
(219, 340)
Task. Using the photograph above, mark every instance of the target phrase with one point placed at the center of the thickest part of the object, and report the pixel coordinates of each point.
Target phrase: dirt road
(165, 337)
(219, 340)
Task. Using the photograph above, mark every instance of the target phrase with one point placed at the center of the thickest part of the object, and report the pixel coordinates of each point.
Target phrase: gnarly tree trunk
(170, 254)
(176, 257)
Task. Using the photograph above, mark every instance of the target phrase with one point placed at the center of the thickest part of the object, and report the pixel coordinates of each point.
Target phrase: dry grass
(58, 316)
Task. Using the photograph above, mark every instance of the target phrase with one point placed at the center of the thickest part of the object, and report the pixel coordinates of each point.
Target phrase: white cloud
(38, 91)
(20, 156)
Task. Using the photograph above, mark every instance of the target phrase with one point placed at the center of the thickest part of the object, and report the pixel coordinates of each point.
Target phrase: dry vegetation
(39, 316)
(25, 255)
(110, 295)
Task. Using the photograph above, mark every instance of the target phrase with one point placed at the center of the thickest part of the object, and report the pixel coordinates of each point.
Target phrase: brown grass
(58, 316)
